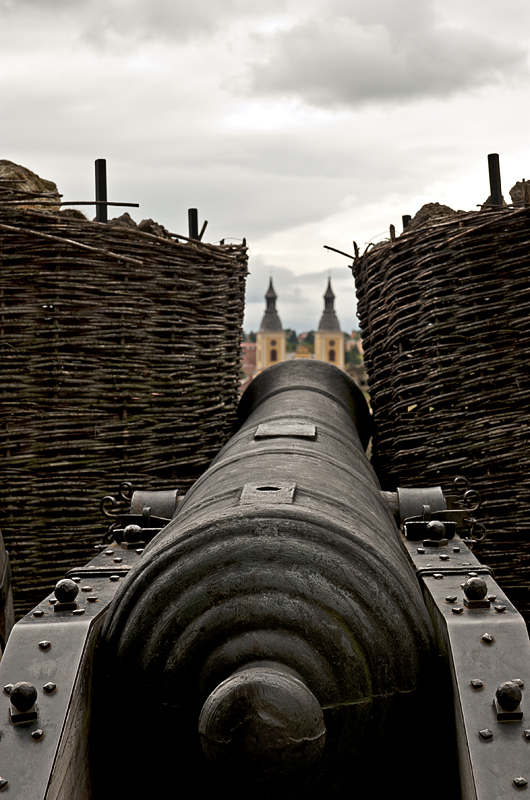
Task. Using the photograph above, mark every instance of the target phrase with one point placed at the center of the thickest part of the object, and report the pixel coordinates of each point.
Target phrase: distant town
(273, 343)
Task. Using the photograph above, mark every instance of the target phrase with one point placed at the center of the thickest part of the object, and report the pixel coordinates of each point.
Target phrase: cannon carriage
(279, 637)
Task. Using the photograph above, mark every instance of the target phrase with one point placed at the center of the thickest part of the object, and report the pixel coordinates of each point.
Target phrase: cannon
(279, 637)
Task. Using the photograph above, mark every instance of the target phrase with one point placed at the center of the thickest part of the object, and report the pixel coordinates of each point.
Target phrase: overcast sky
(293, 124)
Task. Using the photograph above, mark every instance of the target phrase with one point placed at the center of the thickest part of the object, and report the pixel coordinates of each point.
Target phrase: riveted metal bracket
(483, 648)
(54, 651)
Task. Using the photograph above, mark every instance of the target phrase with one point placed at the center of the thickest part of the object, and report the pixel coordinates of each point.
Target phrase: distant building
(329, 340)
(303, 351)
(270, 341)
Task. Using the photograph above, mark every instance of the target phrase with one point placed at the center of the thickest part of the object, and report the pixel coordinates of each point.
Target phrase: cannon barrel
(272, 638)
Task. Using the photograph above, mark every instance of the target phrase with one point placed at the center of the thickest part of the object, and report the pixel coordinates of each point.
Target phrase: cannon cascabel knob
(264, 721)
(23, 696)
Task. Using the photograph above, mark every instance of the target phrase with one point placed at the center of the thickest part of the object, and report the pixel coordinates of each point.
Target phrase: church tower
(270, 339)
(329, 341)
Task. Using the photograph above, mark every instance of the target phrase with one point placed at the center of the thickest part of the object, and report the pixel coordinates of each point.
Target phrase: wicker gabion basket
(120, 360)
(445, 317)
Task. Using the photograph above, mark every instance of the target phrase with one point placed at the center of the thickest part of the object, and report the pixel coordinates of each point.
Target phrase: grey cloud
(340, 61)
(114, 22)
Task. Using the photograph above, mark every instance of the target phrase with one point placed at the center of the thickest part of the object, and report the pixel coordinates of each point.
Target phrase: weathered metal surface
(7, 612)
(316, 585)
(47, 757)
(484, 647)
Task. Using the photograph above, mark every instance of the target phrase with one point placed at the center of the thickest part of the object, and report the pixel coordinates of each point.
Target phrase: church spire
(271, 320)
(329, 320)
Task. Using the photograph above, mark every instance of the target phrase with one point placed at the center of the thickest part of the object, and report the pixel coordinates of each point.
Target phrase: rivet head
(519, 682)
(3, 784)
(456, 549)
(86, 588)
(438, 576)
(114, 578)
(78, 611)
(500, 609)
(487, 638)
(451, 598)
(8, 688)
(520, 782)
(475, 588)
(421, 550)
(92, 598)
(526, 735)
(49, 687)
(140, 550)
(472, 574)
(443, 558)
(38, 613)
(45, 645)
(117, 560)
(457, 610)
(509, 695)
(66, 590)
(485, 734)
(23, 696)
(76, 580)
(109, 552)
(492, 598)
(476, 683)
(38, 734)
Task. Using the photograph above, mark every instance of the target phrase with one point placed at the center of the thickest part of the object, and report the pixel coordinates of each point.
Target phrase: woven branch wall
(120, 360)
(444, 312)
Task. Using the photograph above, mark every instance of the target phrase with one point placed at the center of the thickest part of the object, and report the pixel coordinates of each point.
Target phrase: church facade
(270, 341)
(271, 344)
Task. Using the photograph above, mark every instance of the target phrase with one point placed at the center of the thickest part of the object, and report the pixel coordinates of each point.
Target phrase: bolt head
(509, 695)
(23, 696)
(435, 529)
(485, 734)
(66, 590)
(475, 588)
(132, 533)
(49, 687)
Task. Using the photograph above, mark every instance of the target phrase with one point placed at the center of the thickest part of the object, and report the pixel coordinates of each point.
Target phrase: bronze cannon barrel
(273, 639)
